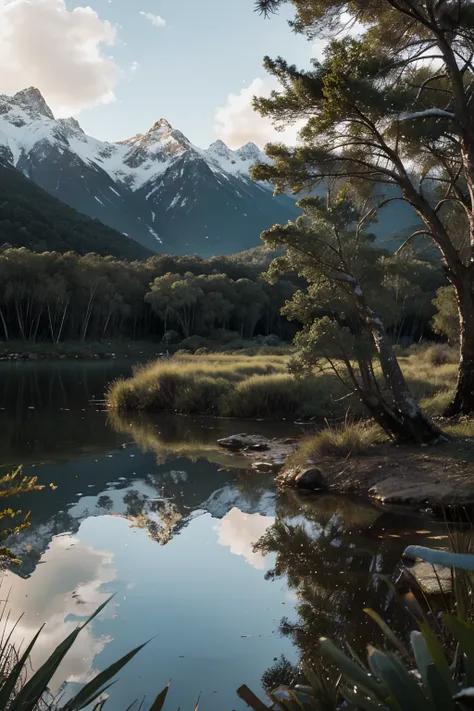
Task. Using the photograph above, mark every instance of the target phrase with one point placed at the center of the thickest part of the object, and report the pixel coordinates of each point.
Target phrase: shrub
(441, 354)
(170, 337)
(446, 320)
(189, 384)
(194, 342)
(271, 340)
(262, 386)
(202, 395)
(349, 439)
(275, 395)
(265, 396)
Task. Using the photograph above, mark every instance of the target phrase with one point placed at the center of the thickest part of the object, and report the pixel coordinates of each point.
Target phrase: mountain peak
(72, 124)
(219, 144)
(32, 100)
(220, 148)
(250, 152)
(161, 125)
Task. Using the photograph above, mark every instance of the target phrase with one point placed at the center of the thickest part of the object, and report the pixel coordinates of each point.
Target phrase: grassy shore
(260, 386)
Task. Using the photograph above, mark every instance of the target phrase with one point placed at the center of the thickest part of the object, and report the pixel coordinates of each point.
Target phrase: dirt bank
(434, 477)
(394, 475)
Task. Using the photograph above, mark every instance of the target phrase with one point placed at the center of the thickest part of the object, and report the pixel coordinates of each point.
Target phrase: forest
(30, 217)
(57, 297)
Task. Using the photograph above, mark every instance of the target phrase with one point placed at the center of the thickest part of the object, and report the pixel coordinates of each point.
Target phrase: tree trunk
(463, 402)
(51, 323)
(410, 422)
(35, 332)
(88, 313)
(62, 322)
(4, 324)
(106, 324)
(20, 322)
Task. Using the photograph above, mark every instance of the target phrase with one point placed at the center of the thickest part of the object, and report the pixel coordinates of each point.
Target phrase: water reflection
(54, 410)
(192, 437)
(240, 531)
(67, 586)
(333, 553)
(197, 548)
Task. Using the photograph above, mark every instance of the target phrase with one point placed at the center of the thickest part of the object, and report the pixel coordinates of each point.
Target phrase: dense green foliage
(389, 104)
(56, 297)
(446, 320)
(347, 308)
(30, 217)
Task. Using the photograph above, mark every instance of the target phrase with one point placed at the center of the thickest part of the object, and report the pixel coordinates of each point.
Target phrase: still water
(150, 510)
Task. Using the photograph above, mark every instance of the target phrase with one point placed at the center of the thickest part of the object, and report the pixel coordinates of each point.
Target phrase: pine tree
(393, 105)
(345, 277)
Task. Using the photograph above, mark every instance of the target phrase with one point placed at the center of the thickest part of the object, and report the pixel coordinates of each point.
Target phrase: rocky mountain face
(157, 188)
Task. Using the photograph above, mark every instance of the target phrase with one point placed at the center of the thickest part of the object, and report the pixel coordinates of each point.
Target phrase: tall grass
(343, 441)
(229, 385)
(260, 386)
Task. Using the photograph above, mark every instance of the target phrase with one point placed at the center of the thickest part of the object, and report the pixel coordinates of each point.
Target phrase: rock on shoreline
(267, 456)
(389, 474)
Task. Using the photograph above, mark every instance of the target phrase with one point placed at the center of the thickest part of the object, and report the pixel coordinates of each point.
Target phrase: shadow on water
(197, 548)
(54, 410)
(333, 552)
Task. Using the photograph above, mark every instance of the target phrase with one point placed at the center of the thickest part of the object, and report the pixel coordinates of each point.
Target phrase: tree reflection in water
(332, 551)
(158, 517)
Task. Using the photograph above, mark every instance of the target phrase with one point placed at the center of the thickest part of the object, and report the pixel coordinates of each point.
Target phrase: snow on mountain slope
(156, 187)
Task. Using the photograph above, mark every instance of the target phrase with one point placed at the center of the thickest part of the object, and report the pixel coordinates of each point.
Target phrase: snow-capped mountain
(157, 187)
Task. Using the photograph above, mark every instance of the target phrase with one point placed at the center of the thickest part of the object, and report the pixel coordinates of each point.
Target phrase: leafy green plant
(434, 672)
(12, 521)
(20, 693)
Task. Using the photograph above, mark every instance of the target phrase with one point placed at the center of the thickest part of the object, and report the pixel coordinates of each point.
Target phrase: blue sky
(203, 56)
(188, 67)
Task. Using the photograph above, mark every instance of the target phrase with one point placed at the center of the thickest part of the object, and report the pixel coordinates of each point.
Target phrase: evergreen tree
(345, 274)
(392, 106)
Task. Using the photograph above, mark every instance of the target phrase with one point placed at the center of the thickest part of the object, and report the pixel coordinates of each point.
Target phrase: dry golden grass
(260, 386)
(351, 439)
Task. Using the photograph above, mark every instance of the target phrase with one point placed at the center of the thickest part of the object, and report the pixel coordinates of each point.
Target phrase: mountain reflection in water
(198, 550)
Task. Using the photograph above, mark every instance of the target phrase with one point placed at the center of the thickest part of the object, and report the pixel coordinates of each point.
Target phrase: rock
(422, 491)
(265, 467)
(310, 479)
(244, 441)
(433, 580)
(290, 440)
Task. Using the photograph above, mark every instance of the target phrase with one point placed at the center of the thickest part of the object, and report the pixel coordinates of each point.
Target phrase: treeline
(57, 297)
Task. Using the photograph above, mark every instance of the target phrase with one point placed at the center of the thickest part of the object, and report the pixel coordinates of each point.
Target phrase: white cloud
(67, 586)
(59, 51)
(236, 123)
(240, 531)
(133, 67)
(317, 48)
(154, 19)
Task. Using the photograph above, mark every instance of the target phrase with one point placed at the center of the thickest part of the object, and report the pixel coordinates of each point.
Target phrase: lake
(151, 511)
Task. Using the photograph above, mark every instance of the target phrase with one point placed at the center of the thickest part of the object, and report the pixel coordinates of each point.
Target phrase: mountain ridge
(31, 218)
(157, 188)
